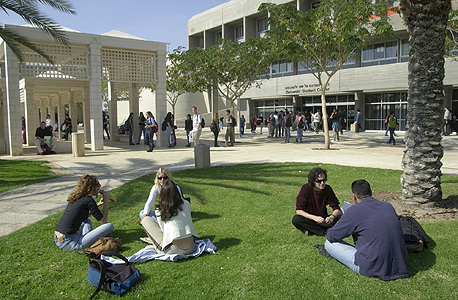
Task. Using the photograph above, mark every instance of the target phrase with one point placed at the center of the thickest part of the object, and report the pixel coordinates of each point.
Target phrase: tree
(182, 75)
(235, 67)
(426, 23)
(322, 39)
(29, 11)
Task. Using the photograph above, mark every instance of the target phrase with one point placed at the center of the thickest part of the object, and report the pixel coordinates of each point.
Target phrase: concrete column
(13, 103)
(86, 115)
(31, 115)
(113, 110)
(72, 113)
(3, 118)
(60, 114)
(134, 105)
(161, 100)
(95, 97)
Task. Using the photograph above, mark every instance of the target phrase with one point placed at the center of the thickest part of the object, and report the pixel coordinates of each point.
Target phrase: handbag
(104, 244)
(116, 279)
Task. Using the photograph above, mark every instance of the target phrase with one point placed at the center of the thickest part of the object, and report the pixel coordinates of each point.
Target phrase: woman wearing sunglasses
(311, 205)
(162, 175)
(74, 230)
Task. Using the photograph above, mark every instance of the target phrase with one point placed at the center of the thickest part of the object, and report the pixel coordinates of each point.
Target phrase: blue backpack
(112, 278)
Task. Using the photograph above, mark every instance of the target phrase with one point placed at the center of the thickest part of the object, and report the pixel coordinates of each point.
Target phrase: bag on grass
(414, 235)
(116, 279)
(104, 244)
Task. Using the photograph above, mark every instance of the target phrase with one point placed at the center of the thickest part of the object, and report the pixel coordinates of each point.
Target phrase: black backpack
(164, 125)
(202, 123)
(414, 235)
(112, 278)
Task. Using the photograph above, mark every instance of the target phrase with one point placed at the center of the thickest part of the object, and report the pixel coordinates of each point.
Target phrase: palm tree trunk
(426, 22)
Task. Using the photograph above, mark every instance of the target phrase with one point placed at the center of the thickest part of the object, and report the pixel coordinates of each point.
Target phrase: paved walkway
(119, 163)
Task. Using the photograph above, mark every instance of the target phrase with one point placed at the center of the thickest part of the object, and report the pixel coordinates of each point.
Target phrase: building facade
(375, 81)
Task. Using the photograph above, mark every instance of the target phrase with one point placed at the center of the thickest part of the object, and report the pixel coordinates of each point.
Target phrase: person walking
(141, 128)
(359, 120)
(214, 127)
(150, 126)
(392, 123)
(130, 127)
(188, 128)
(230, 132)
(288, 125)
(196, 126)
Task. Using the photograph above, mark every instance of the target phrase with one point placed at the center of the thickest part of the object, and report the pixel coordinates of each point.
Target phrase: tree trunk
(426, 22)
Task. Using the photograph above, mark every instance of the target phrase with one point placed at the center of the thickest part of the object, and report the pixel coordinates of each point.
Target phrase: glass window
(405, 47)
(238, 32)
(391, 49)
(261, 25)
(218, 35)
(379, 51)
(368, 53)
(374, 98)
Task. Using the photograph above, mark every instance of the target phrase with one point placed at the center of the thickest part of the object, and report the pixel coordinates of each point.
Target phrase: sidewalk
(119, 163)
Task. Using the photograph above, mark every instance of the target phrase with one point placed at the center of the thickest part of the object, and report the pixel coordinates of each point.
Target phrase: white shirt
(178, 227)
(48, 122)
(447, 115)
(317, 117)
(196, 120)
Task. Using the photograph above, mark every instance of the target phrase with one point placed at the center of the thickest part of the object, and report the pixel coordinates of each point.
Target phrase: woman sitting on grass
(173, 233)
(74, 230)
(162, 176)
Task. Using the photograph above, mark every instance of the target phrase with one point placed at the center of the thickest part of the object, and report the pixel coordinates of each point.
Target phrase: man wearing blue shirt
(379, 249)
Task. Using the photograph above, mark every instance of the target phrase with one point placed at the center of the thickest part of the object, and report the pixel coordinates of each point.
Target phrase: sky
(153, 20)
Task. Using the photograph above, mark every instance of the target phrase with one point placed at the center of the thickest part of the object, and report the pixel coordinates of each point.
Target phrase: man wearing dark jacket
(379, 249)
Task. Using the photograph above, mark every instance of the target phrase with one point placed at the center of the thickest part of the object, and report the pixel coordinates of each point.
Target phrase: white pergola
(125, 62)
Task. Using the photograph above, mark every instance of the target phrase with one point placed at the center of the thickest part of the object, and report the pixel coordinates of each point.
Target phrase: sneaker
(146, 240)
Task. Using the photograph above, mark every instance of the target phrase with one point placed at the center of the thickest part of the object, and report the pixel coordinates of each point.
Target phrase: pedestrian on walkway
(150, 126)
(392, 123)
(230, 132)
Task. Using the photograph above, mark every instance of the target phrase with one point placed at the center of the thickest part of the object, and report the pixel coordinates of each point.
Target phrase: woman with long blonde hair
(74, 230)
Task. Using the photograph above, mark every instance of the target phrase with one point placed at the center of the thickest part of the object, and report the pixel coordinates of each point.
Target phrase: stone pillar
(161, 99)
(113, 110)
(77, 144)
(13, 103)
(86, 115)
(95, 96)
(202, 156)
(31, 115)
(134, 106)
(72, 113)
(60, 114)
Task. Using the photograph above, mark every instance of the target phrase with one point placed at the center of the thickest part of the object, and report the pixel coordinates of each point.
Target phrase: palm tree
(426, 22)
(29, 11)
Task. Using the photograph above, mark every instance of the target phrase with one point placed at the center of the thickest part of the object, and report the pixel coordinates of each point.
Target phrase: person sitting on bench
(40, 139)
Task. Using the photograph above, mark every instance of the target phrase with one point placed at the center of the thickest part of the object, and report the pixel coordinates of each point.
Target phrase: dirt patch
(58, 170)
(446, 209)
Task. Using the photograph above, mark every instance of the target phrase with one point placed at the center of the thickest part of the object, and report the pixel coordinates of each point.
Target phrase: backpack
(112, 278)
(202, 123)
(288, 122)
(213, 126)
(301, 123)
(392, 122)
(234, 122)
(104, 244)
(414, 235)
(164, 126)
(272, 121)
(45, 148)
(127, 125)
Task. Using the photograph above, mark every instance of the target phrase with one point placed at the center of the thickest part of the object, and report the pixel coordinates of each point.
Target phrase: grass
(19, 173)
(246, 211)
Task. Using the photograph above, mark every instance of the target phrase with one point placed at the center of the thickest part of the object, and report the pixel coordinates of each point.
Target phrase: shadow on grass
(199, 215)
(226, 243)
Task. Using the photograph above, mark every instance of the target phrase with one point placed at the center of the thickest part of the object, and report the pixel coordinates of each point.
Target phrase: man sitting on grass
(311, 211)
(379, 249)
(40, 139)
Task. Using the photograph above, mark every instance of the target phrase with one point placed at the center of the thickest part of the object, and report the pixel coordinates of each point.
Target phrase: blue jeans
(131, 134)
(343, 252)
(149, 139)
(188, 136)
(141, 129)
(287, 133)
(85, 236)
(169, 137)
(299, 134)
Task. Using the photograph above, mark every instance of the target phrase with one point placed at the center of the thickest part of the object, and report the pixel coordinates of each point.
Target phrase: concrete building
(375, 82)
(73, 84)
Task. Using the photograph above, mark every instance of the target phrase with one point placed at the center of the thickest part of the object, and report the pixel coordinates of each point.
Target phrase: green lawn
(246, 211)
(19, 173)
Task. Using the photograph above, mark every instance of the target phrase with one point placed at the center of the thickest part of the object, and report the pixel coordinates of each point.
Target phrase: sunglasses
(160, 178)
(320, 180)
